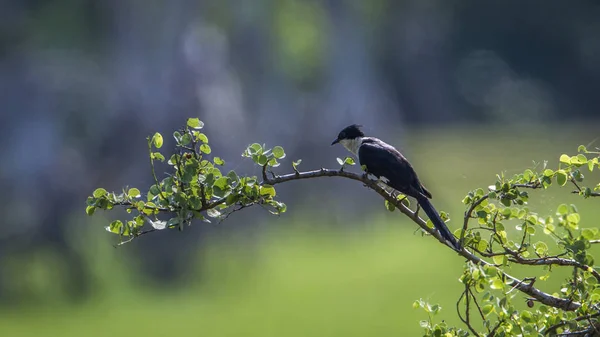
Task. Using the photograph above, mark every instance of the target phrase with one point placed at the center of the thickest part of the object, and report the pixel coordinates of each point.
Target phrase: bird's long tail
(438, 223)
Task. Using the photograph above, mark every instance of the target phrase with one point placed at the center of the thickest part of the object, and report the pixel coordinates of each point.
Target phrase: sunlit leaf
(99, 192)
(195, 123)
(157, 139)
(205, 148)
(278, 152)
(218, 161)
(134, 193)
(267, 190)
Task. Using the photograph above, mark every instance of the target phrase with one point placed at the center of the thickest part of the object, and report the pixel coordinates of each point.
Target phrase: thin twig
(468, 216)
(553, 328)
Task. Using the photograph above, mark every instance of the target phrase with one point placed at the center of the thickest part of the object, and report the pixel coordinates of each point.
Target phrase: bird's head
(350, 137)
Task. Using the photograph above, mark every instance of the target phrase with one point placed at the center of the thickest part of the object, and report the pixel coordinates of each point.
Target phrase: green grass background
(303, 278)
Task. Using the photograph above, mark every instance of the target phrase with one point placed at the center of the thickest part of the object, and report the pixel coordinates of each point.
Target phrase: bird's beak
(335, 142)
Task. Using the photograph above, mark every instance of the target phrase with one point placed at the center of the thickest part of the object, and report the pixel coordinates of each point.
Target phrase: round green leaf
(278, 152)
(133, 193)
(255, 148)
(115, 227)
(99, 192)
(562, 209)
(262, 160)
(205, 148)
(195, 123)
(154, 190)
(497, 284)
(221, 183)
(186, 139)
(200, 137)
(587, 234)
(218, 161)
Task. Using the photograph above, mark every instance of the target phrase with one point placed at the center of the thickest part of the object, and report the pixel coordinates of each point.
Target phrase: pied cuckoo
(391, 167)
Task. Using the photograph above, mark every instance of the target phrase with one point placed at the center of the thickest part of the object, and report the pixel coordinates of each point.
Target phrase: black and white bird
(391, 167)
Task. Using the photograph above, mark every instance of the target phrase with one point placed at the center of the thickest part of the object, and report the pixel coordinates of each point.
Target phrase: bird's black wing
(383, 160)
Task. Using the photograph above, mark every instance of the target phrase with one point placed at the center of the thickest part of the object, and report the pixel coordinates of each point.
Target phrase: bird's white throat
(352, 145)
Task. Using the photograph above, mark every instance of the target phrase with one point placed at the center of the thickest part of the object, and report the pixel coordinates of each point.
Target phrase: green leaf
(562, 209)
(561, 177)
(177, 135)
(339, 160)
(582, 148)
(134, 193)
(497, 284)
(154, 190)
(548, 172)
(255, 149)
(587, 234)
(221, 192)
(158, 155)
(186, 139)
(115, 227)
(195, 123)
(267, 190)
(262, 160)
(205, 148)
(528, 175)
(233, 176)
(99, 193)
(592, 163)
(157, 139)
(498, 259)
(218, 161)
(487, 309)
(278, 152)
(526, 316)
(565, 159)
(174, 159)
(200, 137)
(349, 161)
(541, 248)
(574, 218)
(221, 183)
(89, 210)
(390, 207)
(296, 163)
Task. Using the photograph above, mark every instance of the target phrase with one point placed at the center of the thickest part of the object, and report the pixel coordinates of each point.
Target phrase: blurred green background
(466, 90)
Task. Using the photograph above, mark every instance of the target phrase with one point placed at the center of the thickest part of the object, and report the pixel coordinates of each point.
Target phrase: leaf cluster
(500, 226)
(195, 187)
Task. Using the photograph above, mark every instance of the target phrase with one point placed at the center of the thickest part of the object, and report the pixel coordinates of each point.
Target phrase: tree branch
(512, 282)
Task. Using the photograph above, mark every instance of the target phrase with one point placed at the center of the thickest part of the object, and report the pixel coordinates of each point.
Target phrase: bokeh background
(466, 89)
